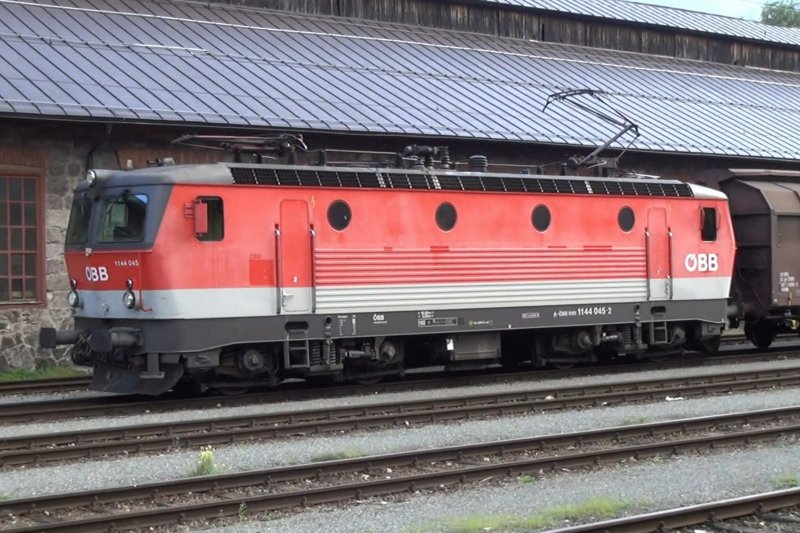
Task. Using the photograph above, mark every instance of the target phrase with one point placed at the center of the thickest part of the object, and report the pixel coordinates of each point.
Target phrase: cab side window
(216, 219)
(708, 224)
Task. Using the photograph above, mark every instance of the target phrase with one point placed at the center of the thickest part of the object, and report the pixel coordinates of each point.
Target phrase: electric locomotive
(237, 274)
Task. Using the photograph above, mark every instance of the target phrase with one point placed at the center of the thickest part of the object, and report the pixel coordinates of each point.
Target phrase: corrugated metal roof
(185, 62)
(667, 17)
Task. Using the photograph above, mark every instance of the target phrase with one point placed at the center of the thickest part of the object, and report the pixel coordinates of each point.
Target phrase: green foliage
(349, 453)
(4, 496)
(787, 481)
(205, 462)
(781, 13)
(526, 478)
(636, 420)
(596, 508)
(242, 512)
(47, 372)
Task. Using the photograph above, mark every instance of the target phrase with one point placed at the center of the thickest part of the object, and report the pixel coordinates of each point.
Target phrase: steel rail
(704, 513)
(18, 412)
(28, 386)
(40, 449)
(270, 479)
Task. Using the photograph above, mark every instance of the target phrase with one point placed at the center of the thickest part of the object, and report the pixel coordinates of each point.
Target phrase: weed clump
(205, 462)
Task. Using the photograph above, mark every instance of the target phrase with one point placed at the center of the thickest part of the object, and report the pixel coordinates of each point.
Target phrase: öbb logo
(97, 273)
(701, 262)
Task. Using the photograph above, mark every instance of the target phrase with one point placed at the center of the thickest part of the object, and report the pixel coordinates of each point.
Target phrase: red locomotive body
(235, 274)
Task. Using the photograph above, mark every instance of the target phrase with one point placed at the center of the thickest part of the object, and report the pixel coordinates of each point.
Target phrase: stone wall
(61, 151)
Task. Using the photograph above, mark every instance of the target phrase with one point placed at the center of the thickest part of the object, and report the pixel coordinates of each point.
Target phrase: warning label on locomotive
(786, 281)
(347, 325)
(602, 310)
(438, 321)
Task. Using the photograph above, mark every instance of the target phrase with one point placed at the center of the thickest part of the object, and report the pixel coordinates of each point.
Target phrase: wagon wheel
(761, 333)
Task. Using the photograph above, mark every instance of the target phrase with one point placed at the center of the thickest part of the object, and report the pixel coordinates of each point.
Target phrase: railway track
(41, 449)
(761, 506)
(30, 386)
(283, 488)
(119, 405)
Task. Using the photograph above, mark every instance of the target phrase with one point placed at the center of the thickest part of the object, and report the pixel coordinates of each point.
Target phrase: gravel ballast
(24, 482)
(649, 486)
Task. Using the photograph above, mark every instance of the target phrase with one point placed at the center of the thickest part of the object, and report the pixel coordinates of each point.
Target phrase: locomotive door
(659, 251)
(294, 258)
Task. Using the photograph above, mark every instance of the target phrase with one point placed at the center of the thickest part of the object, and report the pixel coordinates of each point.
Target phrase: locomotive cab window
(708, 224)
(214, 229)
(122, 218)
(79, 215)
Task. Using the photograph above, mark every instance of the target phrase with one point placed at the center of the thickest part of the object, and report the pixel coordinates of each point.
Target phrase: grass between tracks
(596, 508)
(349, 453)
(48, 372)
(787, 481)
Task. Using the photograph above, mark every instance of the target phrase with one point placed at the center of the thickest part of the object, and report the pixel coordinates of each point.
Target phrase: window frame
(204, 200)
(448, 206)
(541, 208)
(348, 221)
(626, 209)
(104, 214)
(37, 174)
(704, 211)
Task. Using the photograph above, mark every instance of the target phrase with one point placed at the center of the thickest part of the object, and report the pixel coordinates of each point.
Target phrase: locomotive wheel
(761, 333)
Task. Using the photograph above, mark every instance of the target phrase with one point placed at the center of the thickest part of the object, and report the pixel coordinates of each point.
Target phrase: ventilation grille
(452, 182)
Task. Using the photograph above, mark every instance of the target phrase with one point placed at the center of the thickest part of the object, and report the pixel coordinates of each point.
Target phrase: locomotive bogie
(188, 275)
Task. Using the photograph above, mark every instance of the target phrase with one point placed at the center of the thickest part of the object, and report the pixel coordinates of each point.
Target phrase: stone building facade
(55, 155)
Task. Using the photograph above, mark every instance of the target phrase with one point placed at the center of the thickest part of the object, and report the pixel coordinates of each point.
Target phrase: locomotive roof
(392, 178)
(262, 69)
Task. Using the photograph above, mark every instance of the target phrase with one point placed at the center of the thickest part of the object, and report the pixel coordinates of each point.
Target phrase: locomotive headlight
(73, 299)
(91, 177)
(129, 299)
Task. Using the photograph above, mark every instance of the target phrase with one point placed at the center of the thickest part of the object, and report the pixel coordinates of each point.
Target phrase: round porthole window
(339, 215)
(626, 219)
(446, 216)
(541, 217)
